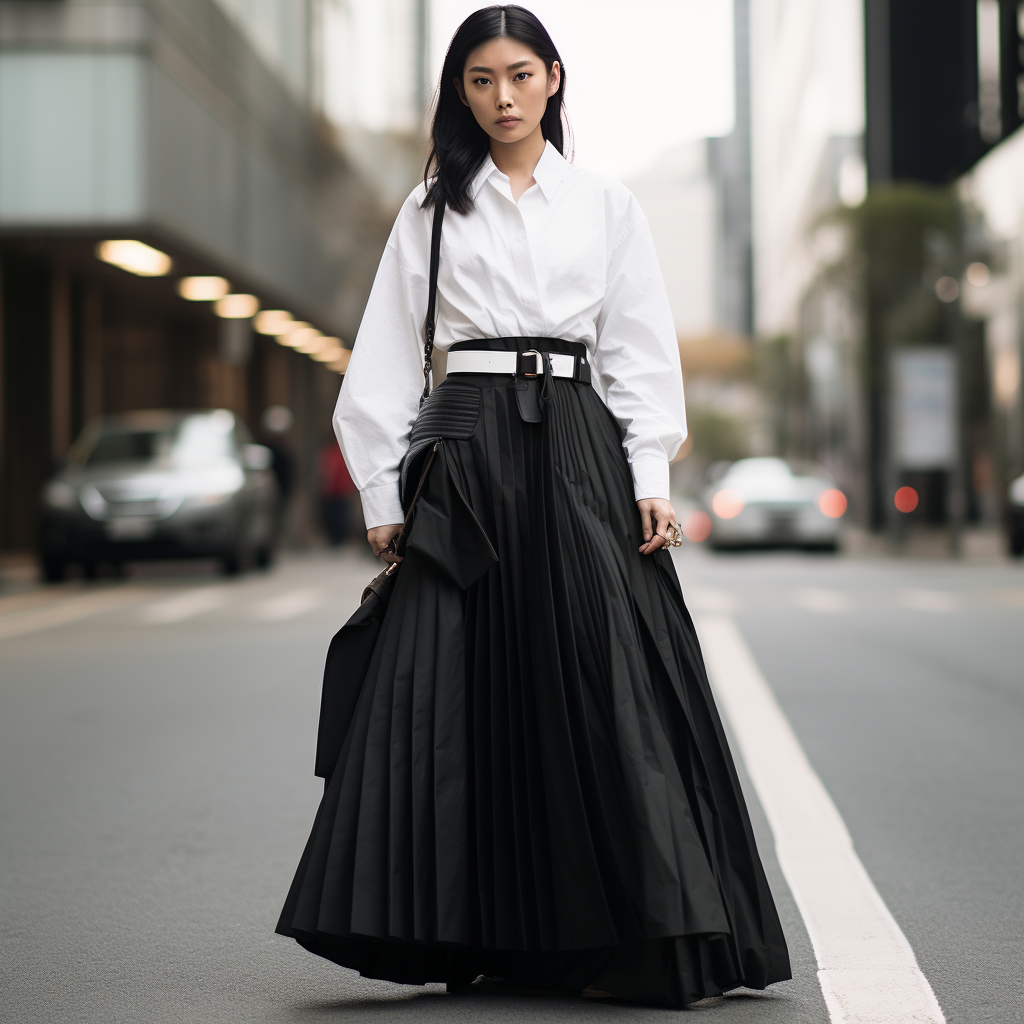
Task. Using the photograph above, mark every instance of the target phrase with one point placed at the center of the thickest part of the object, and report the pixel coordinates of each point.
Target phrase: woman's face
(507, 87)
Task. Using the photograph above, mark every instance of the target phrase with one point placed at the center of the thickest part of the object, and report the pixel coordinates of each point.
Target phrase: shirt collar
(549, 172)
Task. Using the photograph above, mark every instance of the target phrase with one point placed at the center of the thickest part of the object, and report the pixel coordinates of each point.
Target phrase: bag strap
(435, 259)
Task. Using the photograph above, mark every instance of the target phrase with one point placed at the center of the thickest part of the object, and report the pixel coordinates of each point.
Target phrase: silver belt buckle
(538, 365)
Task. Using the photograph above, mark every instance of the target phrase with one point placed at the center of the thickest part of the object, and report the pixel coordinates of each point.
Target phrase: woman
(533, 784)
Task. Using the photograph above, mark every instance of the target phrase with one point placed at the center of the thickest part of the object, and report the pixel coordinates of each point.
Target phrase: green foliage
(716, 435)
(899, 242)
(899, 233)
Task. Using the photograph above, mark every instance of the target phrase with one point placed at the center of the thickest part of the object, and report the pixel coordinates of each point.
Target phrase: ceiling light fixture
(203, 289)
(329, 350)
(236, 307)
(293, 336)
(273, 321)
(301, 337)
(135, 257)
(340, 365)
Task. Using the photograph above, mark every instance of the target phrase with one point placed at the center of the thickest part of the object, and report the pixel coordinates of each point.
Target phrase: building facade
(198, 129)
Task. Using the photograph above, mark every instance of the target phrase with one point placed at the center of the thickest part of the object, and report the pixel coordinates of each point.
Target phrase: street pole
(422, 57)
(956, 492)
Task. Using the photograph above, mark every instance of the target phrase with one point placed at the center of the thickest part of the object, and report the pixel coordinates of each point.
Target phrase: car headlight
(1017, 491)
(93, 502)
(727, 503)
(60, 494)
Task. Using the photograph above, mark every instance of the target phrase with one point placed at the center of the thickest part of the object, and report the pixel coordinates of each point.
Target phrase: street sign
(924, 408)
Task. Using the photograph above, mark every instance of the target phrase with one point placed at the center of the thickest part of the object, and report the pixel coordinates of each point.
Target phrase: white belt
(480, 361)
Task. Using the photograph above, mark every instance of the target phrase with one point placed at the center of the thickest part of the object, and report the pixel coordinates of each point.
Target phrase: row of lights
(145, 261)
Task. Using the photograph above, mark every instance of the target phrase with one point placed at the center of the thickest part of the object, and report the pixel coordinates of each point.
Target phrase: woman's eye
(481, 81)
(522, 76)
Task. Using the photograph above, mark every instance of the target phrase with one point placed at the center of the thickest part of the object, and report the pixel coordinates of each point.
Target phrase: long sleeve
(380, 394)
(637, 360)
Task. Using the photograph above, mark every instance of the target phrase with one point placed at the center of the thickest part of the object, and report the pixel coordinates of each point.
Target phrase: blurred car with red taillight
(762, 502)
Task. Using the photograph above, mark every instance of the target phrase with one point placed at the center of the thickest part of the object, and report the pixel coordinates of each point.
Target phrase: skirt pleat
(535, 783)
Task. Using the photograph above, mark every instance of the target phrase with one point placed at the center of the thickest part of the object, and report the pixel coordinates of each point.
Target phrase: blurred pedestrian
(275, 423)
(533, 782)
(336, 491)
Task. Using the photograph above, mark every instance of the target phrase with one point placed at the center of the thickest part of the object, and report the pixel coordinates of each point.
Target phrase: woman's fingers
(657, 516)
(645, 521)
(381, 540)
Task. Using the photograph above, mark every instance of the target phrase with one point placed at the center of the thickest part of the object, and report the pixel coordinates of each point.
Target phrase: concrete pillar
(92, 354)
(60, 363)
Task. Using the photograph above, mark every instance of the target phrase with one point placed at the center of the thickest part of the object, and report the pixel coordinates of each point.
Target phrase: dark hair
(458, 144)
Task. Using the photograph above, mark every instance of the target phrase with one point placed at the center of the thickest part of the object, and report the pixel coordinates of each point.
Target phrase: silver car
(161, 485)
(768, 501)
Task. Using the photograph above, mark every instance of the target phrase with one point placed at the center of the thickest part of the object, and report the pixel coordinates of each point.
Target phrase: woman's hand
(656, 515)
(380, 537)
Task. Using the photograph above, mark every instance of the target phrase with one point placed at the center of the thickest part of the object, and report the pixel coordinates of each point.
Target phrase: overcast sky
(642, 76)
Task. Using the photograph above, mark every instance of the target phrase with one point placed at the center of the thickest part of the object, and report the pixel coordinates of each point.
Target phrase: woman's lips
(508, 122)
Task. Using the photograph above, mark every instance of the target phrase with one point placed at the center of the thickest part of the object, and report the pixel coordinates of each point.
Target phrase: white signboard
(924, 408)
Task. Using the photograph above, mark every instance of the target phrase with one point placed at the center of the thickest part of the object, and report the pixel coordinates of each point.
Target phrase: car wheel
(237, 559)
(265, 556)
(1017, 536)
(54, 568)
(231, 564)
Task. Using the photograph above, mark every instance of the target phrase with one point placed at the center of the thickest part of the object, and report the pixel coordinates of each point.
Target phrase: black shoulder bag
(348, 657)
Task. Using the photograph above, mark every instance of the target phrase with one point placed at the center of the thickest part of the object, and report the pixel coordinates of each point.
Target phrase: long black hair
(458, 144)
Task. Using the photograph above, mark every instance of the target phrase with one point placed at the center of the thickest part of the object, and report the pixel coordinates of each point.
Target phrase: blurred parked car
(161, 485)
(1016, 516)
(767, 501)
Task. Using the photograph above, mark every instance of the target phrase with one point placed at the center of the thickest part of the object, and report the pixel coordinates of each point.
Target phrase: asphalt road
(156, 747)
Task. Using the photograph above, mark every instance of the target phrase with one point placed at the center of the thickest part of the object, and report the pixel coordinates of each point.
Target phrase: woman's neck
(518, 160)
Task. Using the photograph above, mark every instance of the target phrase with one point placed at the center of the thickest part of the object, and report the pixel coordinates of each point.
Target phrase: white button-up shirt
(573, 259)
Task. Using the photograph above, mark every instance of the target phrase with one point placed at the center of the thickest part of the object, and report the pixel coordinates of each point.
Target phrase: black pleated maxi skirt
(534, 783)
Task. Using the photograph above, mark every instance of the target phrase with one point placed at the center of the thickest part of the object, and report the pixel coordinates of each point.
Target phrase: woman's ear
(458, 88)
(554, 78)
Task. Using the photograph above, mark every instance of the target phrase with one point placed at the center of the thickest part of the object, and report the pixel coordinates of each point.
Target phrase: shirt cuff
(650, 477)
(381, 505)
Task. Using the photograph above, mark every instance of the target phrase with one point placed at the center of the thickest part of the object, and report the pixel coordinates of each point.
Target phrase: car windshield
(129, 446)
(193, 441)
(759, 470)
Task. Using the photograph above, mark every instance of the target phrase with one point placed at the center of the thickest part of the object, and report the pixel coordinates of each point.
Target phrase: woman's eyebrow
(511, 67)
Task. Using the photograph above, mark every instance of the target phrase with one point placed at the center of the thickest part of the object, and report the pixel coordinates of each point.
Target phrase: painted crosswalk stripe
(867, 970)
(185, 606)
(64, 612)
(289, 605)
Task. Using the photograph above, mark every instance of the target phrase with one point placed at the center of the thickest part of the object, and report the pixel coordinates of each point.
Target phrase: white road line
(70, 610)
(289, 605)
(940, 601)
(867, 970)
(709, 599)
(814, 599)
(185, 606)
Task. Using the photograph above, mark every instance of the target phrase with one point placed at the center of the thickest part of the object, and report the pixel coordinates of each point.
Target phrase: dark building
(934, 107)
(945, 84)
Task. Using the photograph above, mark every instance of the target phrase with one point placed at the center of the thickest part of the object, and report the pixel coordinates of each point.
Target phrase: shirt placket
(522, 261)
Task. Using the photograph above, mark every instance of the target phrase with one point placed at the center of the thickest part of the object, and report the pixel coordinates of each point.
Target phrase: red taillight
(832, 503)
